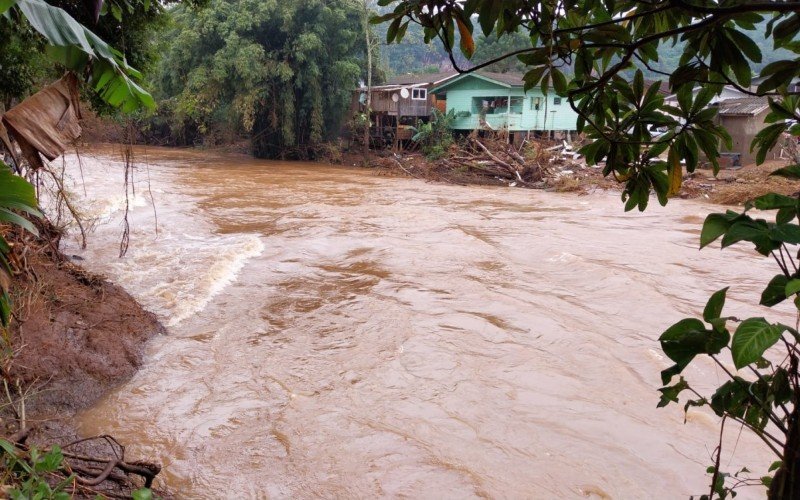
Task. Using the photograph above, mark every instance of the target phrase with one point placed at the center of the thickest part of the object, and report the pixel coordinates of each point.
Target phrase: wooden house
(495, 101)
(400, 103)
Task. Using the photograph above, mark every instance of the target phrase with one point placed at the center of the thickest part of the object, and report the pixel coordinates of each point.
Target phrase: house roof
(423, 78)
(510, 79)
(507, 80)
(745, 106)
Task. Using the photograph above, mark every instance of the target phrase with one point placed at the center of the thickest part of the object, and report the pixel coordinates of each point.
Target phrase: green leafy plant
(593, 53)
(435, 136)
(31, 474)
(77, 48)
(762, 394)
(17, 196)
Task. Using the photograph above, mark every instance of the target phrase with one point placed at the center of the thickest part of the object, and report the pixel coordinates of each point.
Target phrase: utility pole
(369, 77)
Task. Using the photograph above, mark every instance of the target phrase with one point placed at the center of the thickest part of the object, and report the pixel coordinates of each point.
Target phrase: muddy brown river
(337, 333)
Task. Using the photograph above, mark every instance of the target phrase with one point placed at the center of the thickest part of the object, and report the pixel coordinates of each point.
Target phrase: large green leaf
(5, 5)
(7, 215)
(771, 201)
(787, 233)
(75, 46)
(792, 287)
(713, 309)
(686, 339)
(744, 231)
(16, 192)
(714, 226)
(751, 339)
(775, 292)
(791, 172)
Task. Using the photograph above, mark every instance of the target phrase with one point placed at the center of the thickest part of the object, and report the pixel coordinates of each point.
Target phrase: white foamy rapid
(173, 268)
(180, 282)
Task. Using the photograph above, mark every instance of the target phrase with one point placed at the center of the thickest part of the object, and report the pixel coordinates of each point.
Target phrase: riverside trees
(279, 71)
(593, 53)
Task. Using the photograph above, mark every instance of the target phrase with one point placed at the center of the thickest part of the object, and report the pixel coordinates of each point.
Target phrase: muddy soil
(74, 337)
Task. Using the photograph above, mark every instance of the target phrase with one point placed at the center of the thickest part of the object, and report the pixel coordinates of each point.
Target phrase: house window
(497, 105)
(419, 94)
(489, 105)
(556, 101)
(516, 105)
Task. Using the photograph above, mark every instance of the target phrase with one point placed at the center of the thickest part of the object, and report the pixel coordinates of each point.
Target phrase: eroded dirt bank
(74, 336)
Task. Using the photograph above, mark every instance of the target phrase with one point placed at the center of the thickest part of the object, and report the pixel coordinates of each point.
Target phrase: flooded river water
(340, 334)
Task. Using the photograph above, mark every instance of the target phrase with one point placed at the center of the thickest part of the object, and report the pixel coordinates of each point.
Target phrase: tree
(595, 53)
(281, 72)
(41, 39)
(492, 48)
(370, 46)
(20, 67)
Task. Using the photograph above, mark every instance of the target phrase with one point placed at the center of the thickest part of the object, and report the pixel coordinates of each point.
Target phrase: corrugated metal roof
(424, 78)
(745, 106)
(513, 79)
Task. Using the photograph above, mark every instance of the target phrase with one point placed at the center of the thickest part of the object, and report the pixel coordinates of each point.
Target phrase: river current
(337, 333)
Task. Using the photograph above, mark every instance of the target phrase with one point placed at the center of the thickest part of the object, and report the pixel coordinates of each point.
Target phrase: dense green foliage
(583, 56)
(281, 72)
(29, 474)
(22, 62)
(74, 47)
(435, 136)
(38, 55)
(16, 196)
(762, 395)
(595, 53)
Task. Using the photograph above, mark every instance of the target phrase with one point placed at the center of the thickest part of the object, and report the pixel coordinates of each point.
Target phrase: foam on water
(177, 278)
(104, 209)
(171, 270)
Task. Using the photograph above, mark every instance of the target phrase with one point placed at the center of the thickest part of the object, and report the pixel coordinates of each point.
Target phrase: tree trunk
(786, 483)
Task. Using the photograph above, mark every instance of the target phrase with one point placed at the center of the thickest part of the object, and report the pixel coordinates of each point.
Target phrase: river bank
(731, 186)
(73, 338)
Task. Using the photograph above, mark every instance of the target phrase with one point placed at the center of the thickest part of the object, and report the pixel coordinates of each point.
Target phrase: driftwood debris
(491, 159)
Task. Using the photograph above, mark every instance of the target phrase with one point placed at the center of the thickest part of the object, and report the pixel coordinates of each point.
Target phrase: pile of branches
(496, 158)
(490, 159)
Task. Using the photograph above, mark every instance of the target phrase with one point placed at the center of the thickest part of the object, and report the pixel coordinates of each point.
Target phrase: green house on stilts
(497, 101)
